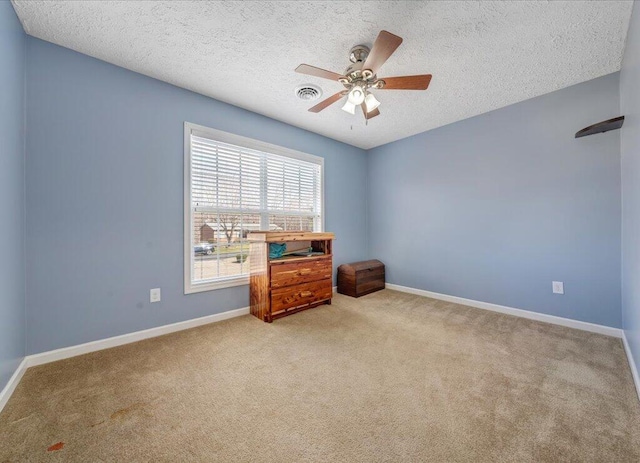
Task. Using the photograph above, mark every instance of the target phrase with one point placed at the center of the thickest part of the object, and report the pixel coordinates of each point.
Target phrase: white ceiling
(483, 55)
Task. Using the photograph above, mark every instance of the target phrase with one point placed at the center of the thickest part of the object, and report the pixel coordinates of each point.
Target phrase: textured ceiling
(483, 55)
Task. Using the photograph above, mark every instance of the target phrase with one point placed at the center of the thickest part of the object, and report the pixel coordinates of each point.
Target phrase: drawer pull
(306, 293)
(304, 271)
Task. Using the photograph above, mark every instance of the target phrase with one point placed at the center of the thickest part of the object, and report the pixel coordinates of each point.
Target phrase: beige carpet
(387, 377)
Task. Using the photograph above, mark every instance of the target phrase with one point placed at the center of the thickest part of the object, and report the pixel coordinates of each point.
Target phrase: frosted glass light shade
(356, 95)
(371, 102)
(349, 107)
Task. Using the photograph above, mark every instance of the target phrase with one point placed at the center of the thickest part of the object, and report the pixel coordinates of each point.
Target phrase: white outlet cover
(557, 287)
(154, 295)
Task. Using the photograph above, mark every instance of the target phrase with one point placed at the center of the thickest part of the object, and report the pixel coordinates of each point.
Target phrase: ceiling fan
(360, 77)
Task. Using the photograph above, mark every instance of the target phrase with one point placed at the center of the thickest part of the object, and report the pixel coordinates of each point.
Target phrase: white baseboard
(80, 349)
(585, 326)
(72, 351)
(13, 383)
(632, 364)
(568, 322)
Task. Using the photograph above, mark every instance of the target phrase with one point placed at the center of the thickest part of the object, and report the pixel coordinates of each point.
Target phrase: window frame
(225, 137)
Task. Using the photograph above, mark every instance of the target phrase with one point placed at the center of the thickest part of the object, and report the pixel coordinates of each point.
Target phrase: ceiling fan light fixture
(356, 95)
(371, 102)
(349, 107)
(362, 75)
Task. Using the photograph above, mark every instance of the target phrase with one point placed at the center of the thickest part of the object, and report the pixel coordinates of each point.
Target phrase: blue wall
(492, 208)
(105, 189)
(496, 207)
(12, 287)
(630, 149)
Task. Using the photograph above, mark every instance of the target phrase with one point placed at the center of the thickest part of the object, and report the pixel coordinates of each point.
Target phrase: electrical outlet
(558, 287)
(154, 295)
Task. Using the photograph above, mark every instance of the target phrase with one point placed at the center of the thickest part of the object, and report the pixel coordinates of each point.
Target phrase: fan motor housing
(355, 67)
(355, 72)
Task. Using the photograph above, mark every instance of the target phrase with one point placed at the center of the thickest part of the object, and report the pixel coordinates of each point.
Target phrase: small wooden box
(360, 278)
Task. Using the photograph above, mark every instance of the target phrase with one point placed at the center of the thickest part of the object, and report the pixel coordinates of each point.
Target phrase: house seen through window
(234, 186)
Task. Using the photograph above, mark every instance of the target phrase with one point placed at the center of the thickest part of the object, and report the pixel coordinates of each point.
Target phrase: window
(233, 186)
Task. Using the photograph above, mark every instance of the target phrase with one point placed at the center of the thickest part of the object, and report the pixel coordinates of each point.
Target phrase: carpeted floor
(388, 377)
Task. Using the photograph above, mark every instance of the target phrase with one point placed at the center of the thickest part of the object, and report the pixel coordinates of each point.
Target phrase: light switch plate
(154, 295)
(558, 287)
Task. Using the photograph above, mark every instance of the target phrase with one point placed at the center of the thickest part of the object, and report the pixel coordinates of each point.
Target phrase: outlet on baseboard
(558, 287)
(154, 295)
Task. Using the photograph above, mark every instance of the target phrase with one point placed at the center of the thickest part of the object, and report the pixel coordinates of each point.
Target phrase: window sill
(191, 288)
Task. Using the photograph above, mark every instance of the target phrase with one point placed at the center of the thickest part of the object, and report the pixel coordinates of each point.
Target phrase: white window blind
(234, 186)
(225, 178)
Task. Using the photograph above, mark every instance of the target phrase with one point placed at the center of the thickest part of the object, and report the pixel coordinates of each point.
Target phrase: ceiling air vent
(308, 92)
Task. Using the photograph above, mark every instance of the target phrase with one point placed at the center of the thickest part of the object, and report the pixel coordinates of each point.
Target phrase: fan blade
(314, 71)
(420, 82)
(328, 102)
(383, 48)
(371, 114)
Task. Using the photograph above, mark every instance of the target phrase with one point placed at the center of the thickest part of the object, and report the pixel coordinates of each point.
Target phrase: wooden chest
(289, 284)
(360, 278)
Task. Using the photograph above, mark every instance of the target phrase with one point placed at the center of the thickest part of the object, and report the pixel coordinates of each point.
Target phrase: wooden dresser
(289, 284)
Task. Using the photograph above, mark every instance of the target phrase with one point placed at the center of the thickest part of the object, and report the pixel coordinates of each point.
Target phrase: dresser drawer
(294, 273)
(298, 295)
